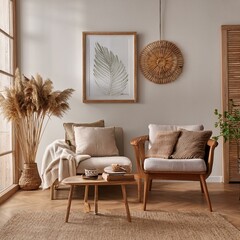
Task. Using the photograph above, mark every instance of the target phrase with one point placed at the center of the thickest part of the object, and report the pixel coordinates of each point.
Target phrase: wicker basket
(30, 179)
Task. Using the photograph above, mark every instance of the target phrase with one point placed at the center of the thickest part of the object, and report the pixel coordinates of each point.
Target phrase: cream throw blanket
(59, 162)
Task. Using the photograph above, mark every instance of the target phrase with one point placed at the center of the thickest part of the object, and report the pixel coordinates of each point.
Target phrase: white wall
(50, 33)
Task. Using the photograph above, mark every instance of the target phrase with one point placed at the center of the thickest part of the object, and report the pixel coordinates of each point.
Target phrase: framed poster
(109, 67)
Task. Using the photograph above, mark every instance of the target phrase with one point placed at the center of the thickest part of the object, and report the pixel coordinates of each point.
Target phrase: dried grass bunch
(27, 103)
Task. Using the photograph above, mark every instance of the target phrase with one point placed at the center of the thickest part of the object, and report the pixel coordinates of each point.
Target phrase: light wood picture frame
(109, 67)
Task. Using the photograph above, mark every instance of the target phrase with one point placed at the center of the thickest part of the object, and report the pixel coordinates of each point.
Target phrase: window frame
(6, 193)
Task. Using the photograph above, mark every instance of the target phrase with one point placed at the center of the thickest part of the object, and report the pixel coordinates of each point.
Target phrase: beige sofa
(100, 163)
(95, 162)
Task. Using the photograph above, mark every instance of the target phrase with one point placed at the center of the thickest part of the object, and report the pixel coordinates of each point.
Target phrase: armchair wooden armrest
(211, 144)
(139, 148)
(138, 140)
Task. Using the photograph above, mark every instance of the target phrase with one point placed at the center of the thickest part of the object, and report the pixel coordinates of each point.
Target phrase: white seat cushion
(100, 163)
(174, 165)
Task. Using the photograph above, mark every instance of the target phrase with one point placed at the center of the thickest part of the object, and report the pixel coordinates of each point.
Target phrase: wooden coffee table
(79, 181)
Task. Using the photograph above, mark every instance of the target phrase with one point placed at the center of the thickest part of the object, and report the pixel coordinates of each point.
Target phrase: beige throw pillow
(155, 128)
(95, 141)
(163, 145)
(69, 132)
(191, 144)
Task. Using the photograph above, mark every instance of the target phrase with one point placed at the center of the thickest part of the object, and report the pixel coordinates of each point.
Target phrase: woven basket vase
(30, 179)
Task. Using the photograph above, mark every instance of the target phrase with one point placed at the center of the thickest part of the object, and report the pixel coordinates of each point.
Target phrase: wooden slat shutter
(230, 90)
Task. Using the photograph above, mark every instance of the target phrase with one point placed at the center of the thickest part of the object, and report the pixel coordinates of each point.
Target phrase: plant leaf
(110, 73)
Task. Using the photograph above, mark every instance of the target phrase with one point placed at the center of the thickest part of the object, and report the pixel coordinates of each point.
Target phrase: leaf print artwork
(109, 71)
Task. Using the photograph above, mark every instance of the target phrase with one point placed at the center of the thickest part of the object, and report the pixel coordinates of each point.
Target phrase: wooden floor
(165, 196)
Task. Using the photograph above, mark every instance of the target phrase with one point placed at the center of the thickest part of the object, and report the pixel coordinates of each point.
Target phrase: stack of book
(110, 175)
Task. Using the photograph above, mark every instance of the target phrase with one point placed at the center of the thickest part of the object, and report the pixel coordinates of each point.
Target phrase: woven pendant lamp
(161, 61)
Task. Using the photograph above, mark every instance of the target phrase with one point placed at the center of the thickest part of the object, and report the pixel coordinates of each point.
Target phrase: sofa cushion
(191, 144)
(100, 163)
(155, 128)
(95, 141)
(69, 131)
(174, 165)
(163, 144)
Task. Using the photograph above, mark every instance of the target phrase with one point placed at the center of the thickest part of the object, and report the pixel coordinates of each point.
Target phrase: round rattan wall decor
(161, 62)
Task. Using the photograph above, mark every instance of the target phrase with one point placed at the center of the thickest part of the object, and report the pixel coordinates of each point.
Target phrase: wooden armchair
(139, 145)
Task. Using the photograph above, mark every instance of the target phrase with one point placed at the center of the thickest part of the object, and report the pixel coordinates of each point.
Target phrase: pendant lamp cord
(160, 20)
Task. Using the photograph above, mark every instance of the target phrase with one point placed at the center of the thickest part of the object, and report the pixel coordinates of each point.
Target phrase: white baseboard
(215, 179)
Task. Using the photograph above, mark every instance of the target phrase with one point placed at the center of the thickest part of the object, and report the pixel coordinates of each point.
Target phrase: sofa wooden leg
(146, 190)
(205, 189)
(52, 191)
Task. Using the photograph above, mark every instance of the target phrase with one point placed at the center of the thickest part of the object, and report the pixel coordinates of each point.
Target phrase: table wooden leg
(126, 202)
(87, 206)
(69, 202)
(96, 199)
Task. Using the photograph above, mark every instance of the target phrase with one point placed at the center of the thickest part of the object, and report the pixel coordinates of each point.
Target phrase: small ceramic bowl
(91, 172)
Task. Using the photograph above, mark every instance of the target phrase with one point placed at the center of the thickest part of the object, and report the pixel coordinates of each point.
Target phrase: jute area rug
(144, 225)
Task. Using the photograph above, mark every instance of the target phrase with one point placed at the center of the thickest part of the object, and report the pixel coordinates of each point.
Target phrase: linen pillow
(191, 144)
(164, 144)
(155, 128)
(95, 141)
(69, 132)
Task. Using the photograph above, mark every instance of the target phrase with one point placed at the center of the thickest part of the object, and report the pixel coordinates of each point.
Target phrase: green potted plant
(228, 123)
(29, 104)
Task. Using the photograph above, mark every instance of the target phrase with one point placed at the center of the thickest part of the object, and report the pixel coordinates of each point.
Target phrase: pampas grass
(27, 103)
